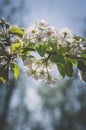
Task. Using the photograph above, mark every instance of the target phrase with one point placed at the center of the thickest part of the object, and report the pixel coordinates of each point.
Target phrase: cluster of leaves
(9, 50)
(13, 45)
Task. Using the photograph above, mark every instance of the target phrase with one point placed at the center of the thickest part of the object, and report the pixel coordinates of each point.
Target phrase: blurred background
(26, 104)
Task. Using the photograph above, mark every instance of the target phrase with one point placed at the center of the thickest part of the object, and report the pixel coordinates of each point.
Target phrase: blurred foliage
(58, 106)
(65, 105)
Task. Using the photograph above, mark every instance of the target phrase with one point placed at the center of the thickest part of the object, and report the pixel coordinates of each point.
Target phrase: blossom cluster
(41, 47)
(41, 32)
(37, 69)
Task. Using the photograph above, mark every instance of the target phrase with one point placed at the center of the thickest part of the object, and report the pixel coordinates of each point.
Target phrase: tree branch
(75, 57)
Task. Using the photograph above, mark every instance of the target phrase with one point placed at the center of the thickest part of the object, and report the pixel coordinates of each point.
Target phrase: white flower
(36, 69)
(65, 37)
(66, 34)
(42, 24)
(39, 33)
(51, 30)
(66, 31)
(74, 50)
(42, 32)
(29, 35)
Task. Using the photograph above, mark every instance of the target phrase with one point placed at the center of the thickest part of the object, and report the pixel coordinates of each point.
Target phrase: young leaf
(69, 69)
(16, 31)
(41, 49)
(61, 69)
(15, 46)
(15, 69)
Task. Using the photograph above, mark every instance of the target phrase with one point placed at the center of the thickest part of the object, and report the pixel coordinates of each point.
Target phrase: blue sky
(60, 13)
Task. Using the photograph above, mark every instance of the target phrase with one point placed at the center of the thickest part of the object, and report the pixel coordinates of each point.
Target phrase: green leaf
(31, 45)
(53, 44)
(83, 55)
(4, 74)
(63, 50)
(57, 59)
(69, 69)
(61, 69)
(16, 31)
(15, 46)
(81, 64)
(15, 69)
(41, 49)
